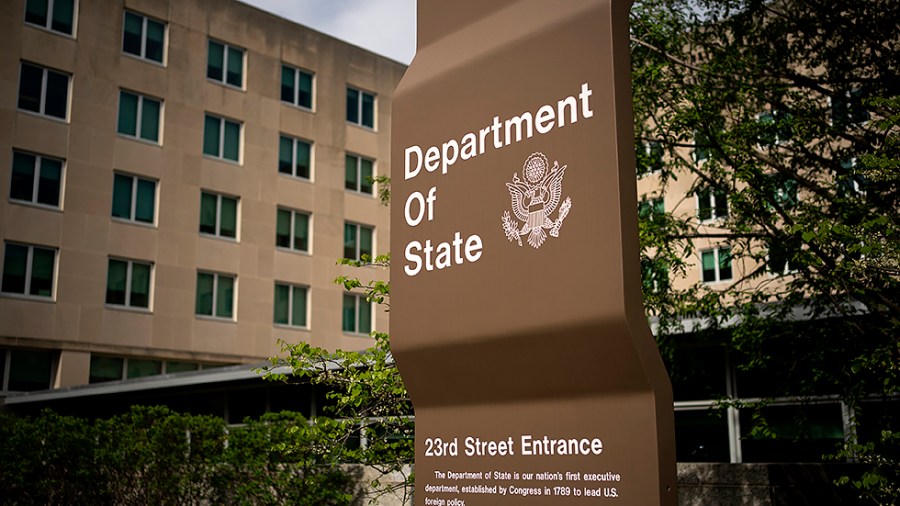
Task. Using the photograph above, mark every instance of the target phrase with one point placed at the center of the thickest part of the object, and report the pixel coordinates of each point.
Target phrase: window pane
(146, 200)
(285, 155)
(287, 84)
(42, 272)
(725, 263)
(704, 205)
(211, 136)
(365, 241)
(349, 314)
(298, 307)
(140, 285)
(172, 367)
(702, 436)
(303, 164)
(128, 109)
(349, 240)
(208, 213)
(352, 105)
(49, 182)
(22, 183)
(204, 301)
(29, 370)
(368, 110)
(116, 281)
(304, 94)
(235, 67)
(351, 176)
(131, 41)
(282, 293)
(156, 38)
(708, 261)
(140, 368)
(365, 175)
(365, 316)
(721, 204)
(14, 264)
(283, 229)
(57, 94)
(36, 12)
(150, 120)
(214, 67)
(30, 83)
(122, 196)
(106, 369)
(225, 297)
(63, 15)
(232, 141)
(228, 217)
(301, 231)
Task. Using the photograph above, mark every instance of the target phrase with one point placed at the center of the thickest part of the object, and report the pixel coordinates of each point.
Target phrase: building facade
(178, 180)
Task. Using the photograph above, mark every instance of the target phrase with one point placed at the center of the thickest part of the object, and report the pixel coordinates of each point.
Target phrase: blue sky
(386, 27)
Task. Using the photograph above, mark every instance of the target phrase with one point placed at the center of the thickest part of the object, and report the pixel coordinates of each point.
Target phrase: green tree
(788, 110)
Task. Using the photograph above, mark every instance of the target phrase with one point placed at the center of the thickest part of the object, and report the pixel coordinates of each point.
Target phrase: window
(784, 192)
(357, 314)
(28, 270)
(654, 276)
(292, 230)
(105, 368)
(849, 182)
(781, 254)
(291, 305)
(134, 198)
(775, 127)
(55, 15)
(225, 64)
(218, 215)
(294, 157)
(649, 158)
(144, 37)
(847, 108)
(26, 370)
(43, 91)
(36, 179)
(647, 208)
(711, 204)
(716, 264)
(139, 116)
(222, 138)
(296, 87)
(128, 283)
(215, 295)
(358, 174)
(702, 147)
(357, 241)
(360, 108)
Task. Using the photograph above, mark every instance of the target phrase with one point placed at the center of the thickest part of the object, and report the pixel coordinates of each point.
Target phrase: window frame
(138, 120)
(218, 223)
(360, 100)
(48, 26)
(358, 299)
(292, 230)
(712, 196)
(290, 305)
(357, 245)
(220, 153)
(134, 194)
(45, 71)
(717, 262)
(650, 148)
(294, 142)
(35, 189)
(6, 368)
(145, 21)
(297, 71)
(129, 280)
(215, 295)
(29, 272)
(359, 176)
(225, 47)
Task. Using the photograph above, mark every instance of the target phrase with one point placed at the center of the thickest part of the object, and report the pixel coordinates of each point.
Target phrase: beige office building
(178, 180)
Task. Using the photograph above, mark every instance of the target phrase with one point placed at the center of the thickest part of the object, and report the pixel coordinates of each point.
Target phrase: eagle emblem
(534, 200)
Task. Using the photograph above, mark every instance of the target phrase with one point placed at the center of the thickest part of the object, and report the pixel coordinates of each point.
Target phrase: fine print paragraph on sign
(444, 489)
(454, 487)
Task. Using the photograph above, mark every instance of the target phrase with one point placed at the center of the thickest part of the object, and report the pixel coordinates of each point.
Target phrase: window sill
(145, 60)
(52, 31)
(126, 221)
(141, 140)
(293, 251)
(128, 309)
(360, 193)
(36, 205)
(363, 127)
(31, 298)
(231, 240)
(357, 334)
(226, 85)
(292, 177)
(64, 121)
(285, 326)
(303, 108)
(223, 160)
(219, 319)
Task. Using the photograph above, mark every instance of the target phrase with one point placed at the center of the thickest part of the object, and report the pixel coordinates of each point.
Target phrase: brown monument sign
(516, 315)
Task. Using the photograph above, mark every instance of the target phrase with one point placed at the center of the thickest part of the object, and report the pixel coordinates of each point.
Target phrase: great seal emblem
(534, 200)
